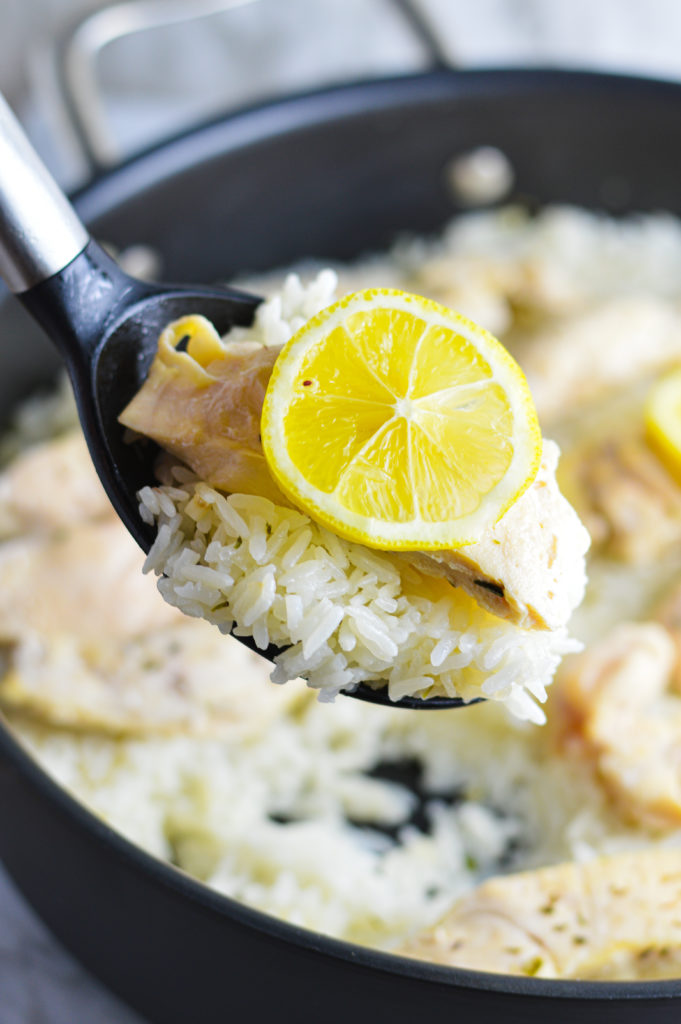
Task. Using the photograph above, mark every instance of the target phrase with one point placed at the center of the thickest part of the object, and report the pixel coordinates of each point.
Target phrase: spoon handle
(40, 232)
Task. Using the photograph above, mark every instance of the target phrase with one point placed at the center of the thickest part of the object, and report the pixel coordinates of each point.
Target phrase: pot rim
(284, 115)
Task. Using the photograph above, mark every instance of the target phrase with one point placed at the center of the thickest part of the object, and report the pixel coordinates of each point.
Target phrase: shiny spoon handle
(40, 232)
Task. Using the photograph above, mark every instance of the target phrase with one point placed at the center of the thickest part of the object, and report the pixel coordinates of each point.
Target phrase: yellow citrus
(399, 423)
(663, 420)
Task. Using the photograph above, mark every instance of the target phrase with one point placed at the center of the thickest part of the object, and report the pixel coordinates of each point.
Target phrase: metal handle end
(40, 232)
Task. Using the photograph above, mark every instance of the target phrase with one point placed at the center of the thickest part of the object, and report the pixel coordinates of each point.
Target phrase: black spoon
(106, 326)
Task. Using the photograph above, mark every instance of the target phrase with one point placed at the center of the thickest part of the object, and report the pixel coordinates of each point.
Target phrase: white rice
(346, 614)
(294, 822)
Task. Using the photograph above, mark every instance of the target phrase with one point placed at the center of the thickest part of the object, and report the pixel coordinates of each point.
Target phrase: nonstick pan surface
(330, 175)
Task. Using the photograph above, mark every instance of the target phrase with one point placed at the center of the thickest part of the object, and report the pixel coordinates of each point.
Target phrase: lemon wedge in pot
(663, 420)
(399, 423)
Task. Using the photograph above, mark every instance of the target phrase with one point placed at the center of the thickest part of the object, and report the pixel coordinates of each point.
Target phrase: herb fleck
(532, 967)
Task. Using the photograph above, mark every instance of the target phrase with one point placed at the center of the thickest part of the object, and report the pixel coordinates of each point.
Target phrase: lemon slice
(398, 423)
(663, 420)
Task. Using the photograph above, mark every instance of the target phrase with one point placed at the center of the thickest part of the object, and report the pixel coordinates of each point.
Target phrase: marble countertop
(39, 982)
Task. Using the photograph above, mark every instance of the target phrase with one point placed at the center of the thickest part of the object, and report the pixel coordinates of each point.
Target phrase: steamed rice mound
(351, 615)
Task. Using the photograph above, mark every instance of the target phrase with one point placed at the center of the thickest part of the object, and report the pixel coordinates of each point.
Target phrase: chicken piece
(203, 405)
(474, 286)
(629, 502)
(667, 612)
(89, 643)
(65, 583)
(503, 293)
(61, 469)
(583, 356)
(615, 918)
(618, 709)
(528, 568)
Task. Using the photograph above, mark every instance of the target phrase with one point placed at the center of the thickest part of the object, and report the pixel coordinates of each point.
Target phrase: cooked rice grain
(344, 614)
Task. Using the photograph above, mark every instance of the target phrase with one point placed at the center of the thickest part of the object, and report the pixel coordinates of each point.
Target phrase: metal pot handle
(421, 27)
(79, 54)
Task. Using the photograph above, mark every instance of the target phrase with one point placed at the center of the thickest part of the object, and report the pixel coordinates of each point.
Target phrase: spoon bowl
(106, 325)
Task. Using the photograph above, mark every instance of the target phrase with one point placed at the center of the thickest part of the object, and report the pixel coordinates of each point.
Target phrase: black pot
(329, 175)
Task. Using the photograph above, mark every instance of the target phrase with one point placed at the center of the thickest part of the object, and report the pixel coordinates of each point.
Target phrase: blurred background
(94, 82)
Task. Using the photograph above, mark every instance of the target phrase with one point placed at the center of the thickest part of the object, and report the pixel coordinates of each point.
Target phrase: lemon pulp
(399, 423)
(663, 420)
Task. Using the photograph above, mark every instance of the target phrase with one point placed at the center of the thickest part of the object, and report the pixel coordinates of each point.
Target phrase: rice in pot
(371, 823)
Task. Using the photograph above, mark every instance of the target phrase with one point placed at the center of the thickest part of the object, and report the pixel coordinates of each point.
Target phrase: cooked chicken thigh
(614, 917)
(86, 639)
(619, 707)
